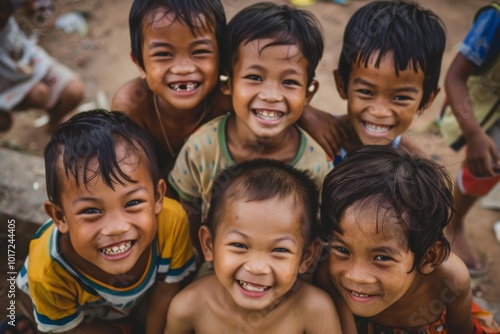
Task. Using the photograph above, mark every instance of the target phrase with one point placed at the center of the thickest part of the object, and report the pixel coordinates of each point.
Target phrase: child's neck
(245, 145)
(89, 269)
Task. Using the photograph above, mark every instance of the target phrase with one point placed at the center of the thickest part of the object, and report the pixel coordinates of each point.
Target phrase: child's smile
(268, 87)
(180, 66)
(111, 229)
(381, 104)
(370, 262)
(258, 269)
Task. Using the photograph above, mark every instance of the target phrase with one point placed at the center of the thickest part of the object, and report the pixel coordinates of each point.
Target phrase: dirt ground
(102, 60)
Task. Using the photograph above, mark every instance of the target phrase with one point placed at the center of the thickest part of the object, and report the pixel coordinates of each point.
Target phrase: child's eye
(382, 258)
(291, 82)
(90, 211)
(402, 98)
(253, 77)
(201, 52)
(281, 250)
(238, 245)
(132, 203)
(162, 54)
(340, 249)
(364, 92)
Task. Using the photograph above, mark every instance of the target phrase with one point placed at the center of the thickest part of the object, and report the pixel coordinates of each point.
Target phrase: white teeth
(184, 87)
(252, 288)
(115, 250)
(376, 128)
(359, 294)
(273, 115)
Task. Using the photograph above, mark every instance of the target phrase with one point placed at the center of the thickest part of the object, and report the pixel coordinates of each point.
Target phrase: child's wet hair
(417, 191)
(185, 11)
(90, 135)
(285, 25)
(261, 180)
(415, 36)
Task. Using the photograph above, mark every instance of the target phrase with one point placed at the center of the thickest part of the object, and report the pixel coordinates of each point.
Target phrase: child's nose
(257, 265)
(380, 110)
(359, 274)
(182, 66)
(271, 94)
(115, 225)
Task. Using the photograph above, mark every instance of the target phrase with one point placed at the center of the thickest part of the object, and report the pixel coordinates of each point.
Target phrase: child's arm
(160, 296)
(324, 128)
(481, 151)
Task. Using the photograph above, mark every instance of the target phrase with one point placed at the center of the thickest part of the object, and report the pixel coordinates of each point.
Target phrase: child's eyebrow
(360, 81)
(93, 199)
(386, 249)
(203, 41)
(409, 89)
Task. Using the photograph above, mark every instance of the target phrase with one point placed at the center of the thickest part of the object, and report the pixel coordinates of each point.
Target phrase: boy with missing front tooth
(260, 234)
(388, 72)
(383, 213)
(112, 237)
(178, 47)
(273, 54)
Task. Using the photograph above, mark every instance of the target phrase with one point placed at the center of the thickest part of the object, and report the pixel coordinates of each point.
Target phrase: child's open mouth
(269, 115)
(184, 86)
(358, 294)
(376, 128)
(117, 249)
(253, 287)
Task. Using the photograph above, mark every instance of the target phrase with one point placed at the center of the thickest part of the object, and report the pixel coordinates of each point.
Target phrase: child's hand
(324, 128)
(482, 155)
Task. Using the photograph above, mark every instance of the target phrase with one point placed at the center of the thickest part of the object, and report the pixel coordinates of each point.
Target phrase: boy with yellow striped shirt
(113, 237)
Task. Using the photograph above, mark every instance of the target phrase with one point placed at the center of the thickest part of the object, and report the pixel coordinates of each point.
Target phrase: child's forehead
(162, 18)
(374, 220)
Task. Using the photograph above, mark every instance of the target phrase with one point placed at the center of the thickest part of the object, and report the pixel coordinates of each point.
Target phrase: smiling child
(261, 233)
(271, 80)
(112, 236)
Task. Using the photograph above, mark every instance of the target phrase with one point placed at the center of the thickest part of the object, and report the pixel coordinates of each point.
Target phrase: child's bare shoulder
(132, 98)
(194, 298)
(316, 308)
(453, 274)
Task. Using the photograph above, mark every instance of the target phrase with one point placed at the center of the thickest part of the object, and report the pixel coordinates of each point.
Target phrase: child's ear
(433, 257)
(311, 254)
(340, 84)
(161, 188)
(139, 67)
(57, 215)
(207, 243)
(312, 89)
(432, 96)
(225, 85)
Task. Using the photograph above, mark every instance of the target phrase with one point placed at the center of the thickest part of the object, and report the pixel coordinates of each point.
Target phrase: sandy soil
(102, 60)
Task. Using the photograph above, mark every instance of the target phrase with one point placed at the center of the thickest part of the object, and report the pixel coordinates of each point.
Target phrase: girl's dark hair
(90, 135)
(264, 179)
(286, 25)
(416, 190)
(185, 11)
(415, 36)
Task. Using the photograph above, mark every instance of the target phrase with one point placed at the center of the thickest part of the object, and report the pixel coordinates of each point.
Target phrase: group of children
(118, 257)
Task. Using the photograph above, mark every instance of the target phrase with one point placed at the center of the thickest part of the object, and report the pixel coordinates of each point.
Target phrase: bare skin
(206, 307)
(447, 286)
